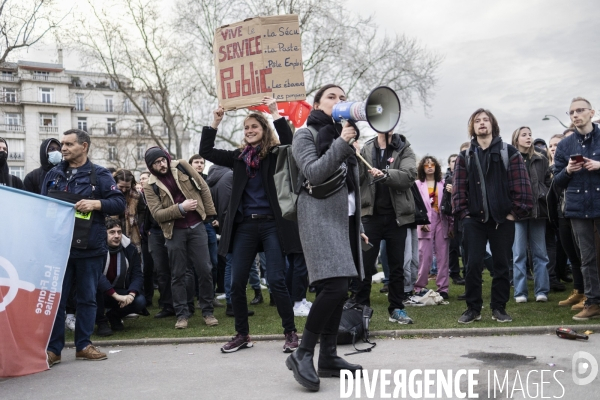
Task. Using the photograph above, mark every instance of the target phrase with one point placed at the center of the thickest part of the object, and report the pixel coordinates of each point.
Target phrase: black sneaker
(469, 316)
(444, 295)
(164, 313)
(500, 315)
(458, 281)
(462, 296)
(385, 288)
(104, 329)
(236, 343)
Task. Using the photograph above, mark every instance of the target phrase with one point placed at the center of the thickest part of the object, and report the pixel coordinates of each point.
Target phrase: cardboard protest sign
(259, 57)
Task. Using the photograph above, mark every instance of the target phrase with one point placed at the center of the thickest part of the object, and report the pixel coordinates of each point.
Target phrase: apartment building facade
(40, 101)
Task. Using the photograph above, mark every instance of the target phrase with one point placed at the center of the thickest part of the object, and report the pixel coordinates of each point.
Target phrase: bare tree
(23, 23)
(337, 47)
(137, 50)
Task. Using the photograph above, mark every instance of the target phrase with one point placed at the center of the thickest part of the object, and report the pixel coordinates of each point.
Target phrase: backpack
(503, 154)
(288, 180)
(179, 168)
(355, 324)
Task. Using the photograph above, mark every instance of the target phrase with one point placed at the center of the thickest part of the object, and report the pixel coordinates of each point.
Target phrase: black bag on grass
(354, 325)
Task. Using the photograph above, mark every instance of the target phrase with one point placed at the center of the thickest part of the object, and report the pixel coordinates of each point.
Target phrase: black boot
(301, 362)
(258, 297)
(330, 363)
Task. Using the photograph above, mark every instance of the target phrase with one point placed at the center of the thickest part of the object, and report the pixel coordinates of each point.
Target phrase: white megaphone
(381, 110)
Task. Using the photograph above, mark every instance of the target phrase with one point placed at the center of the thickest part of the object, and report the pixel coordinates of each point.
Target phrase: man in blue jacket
(576, 168)
(121, 282)
(94, 193)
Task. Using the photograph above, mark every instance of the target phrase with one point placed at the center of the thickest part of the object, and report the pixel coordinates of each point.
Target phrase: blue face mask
(54, 157)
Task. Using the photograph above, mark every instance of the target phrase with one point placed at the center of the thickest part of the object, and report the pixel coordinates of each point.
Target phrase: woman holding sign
(329, 230)
(253, 221)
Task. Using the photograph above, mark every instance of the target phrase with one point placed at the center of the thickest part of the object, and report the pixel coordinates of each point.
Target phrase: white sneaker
(521, 299)
(263, 287)
(301, 311)
(70, 322)
(221, 296)
(263, 281)
(132, 316)
(542, 298)
(307, 303)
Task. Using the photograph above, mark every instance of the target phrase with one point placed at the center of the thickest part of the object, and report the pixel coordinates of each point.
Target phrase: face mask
(3, 156)
(54, 157)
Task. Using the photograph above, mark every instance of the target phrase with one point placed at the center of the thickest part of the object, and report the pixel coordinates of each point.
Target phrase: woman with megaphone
(330, 231)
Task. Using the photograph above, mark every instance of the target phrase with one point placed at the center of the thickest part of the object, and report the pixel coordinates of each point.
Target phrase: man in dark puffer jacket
(581, 178)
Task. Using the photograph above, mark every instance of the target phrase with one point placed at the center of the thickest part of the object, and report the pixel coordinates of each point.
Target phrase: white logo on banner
(13, 283)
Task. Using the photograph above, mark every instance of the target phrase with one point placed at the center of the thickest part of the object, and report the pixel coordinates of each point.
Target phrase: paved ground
(201, 371)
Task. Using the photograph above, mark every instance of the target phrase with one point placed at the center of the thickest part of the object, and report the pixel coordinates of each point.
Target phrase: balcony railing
(16, 156)
(116, 109)
(47, 78)
(11, 98)
(48, 129)
(9, 78)
(12, 128)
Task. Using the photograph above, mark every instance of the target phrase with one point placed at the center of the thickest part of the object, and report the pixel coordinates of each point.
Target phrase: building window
(19, 172)
(16, 150)
(127, 106)
(46, 95)
(113, 84)
(9, 95)
(79, 102)
(111, 126)
(82, 123)
(139, 127)
(112, 153)
(108, 101)
(7, 76)
(47, 119)
(145, 105)
(41, 75)
(141, 151)
(12, 120)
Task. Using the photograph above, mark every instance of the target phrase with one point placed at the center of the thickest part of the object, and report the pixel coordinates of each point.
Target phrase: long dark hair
(421, 169)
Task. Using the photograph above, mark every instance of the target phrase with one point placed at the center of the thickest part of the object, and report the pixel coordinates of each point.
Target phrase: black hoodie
(220, 182)
(7, 179)
(34, 179)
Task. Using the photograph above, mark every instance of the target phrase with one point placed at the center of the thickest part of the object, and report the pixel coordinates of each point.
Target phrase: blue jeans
(87, 272)
(248, 235)
(384, 261)
(254, 279)
(532, 232)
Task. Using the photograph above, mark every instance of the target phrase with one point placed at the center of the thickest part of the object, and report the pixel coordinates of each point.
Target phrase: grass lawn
(267, 321)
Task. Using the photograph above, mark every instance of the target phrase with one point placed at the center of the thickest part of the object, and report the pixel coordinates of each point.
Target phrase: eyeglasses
(159, 161)
(577, 110)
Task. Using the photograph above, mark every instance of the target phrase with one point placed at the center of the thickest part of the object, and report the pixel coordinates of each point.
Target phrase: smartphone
(365, 246)
(578, 158)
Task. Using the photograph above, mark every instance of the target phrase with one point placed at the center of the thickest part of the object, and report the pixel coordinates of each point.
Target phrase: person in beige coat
(180, 201)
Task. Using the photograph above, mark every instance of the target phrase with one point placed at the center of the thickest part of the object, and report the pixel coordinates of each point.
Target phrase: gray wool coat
(323, 223)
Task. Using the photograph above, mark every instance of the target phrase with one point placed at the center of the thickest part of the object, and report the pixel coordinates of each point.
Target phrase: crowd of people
(524, 210)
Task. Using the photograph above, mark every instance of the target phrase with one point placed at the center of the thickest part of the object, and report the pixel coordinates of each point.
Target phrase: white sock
(297, 304)
(70, 316)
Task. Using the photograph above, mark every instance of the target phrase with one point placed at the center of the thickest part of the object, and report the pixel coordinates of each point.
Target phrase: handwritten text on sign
(259, 57)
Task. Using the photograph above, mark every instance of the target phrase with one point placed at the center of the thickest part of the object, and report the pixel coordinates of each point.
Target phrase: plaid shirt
(519, 186)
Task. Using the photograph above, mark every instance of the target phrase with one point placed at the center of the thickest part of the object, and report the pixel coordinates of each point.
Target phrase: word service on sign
(259, 57)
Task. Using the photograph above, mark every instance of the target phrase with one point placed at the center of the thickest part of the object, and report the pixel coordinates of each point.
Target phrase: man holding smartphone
(577, 165)
(387, 207)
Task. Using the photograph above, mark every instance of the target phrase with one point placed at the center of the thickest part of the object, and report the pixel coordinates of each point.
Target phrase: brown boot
(589, 311)
(90, 353)
(52, 358)
(579, 306)
(573, 299)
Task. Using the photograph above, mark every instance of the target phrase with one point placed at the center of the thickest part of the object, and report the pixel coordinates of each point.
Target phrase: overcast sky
(520, 59)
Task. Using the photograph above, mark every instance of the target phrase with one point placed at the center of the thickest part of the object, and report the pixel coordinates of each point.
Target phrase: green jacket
(403, 172)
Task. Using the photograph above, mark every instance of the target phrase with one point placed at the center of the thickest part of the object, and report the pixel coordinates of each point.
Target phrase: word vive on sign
(259, 57)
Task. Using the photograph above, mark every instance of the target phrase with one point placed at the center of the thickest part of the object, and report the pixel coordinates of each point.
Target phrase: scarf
(119, 280)
(327, 132)
(250, 157)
